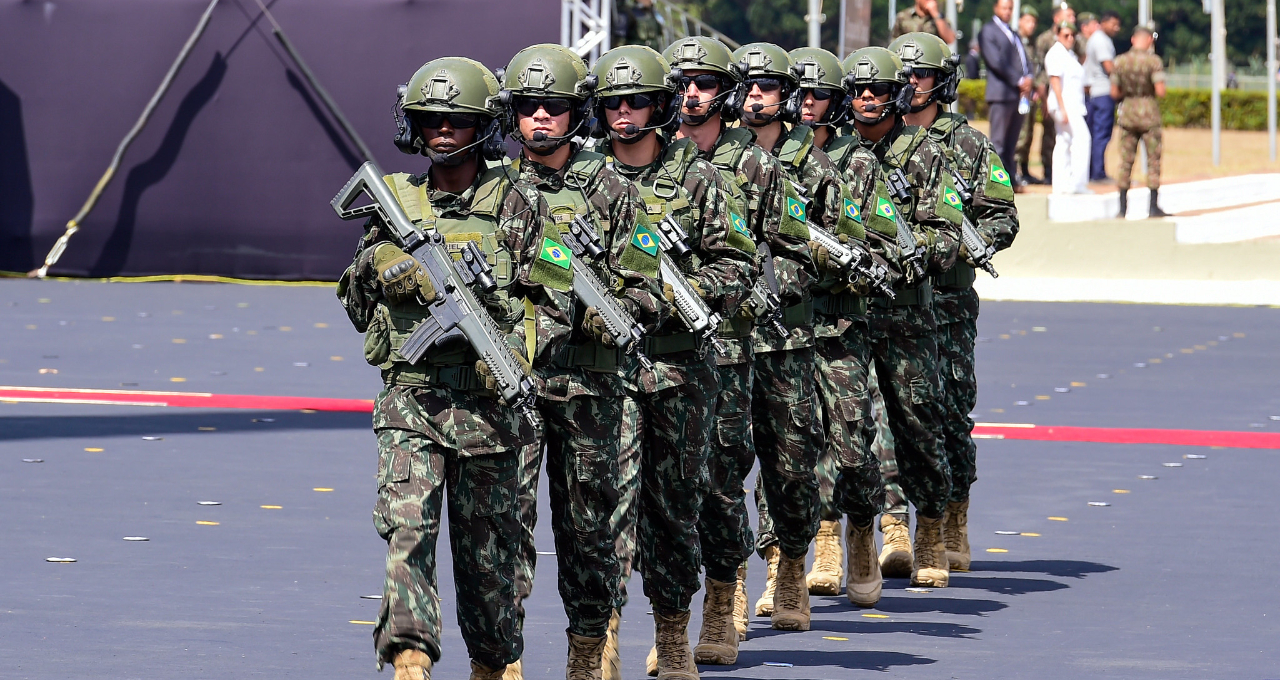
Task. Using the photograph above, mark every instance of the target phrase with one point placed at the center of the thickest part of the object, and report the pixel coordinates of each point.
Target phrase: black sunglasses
(877, 89)
(705, 82)
(638, 100)
(821, 94)
(557, 106)
(432, 120)
(922, 73)
(765, 84)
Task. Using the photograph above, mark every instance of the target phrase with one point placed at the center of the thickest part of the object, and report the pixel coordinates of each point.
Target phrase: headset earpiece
(495, 147)
(406, 139)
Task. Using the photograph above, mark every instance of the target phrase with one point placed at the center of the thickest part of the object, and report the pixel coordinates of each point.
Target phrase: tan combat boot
(740, 620)
(791, 598)
(863, 588)
(514, 671)
(931, 554)
(611, 662)
(412, 664)
(895, 557)
(671, 658)
(764, 605)
(481, 672)
(585, 654)
(718, 639)
(828, 561)
(955, 533)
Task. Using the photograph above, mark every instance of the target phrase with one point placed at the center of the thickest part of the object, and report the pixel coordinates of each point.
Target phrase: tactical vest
(570, 201)
(896, 159)
(840, 151)
(453, 363)
(943, 132)
(727, 159)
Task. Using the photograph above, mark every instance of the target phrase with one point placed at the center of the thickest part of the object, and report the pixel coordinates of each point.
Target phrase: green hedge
(1241, 109)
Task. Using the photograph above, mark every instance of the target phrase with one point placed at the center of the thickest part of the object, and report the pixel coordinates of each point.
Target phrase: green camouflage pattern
(723, 526)
(625, 517)
(1135, 75)
(971, 154)
(416, 463)
(1022, 153)
(910, 21)
(925, 168)
(882, 448)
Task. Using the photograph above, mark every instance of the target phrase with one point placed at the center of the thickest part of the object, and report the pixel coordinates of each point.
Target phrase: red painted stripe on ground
(183, 399)
(1125, 435)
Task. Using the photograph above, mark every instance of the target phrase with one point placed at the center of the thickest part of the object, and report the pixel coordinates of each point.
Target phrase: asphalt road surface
(1173, 578)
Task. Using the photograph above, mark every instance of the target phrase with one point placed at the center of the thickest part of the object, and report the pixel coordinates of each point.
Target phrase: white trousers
(1071, 156)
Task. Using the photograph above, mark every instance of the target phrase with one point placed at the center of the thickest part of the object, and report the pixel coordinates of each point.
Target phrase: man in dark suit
(1008, 80)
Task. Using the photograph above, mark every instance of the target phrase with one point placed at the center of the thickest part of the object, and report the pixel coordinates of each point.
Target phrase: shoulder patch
(883, 218)
(795, 208)
(739, 234)
(555, 253)
(851, 211)
(999, 184)
(949, 205)
(641, 254)
(644, 239)
(553, 265)
(793, 215)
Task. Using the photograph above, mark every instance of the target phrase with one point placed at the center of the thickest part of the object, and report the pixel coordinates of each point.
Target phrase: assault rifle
(454, 311)
(900, 189)
(765, 301)
(691, 308)
(626, 333)
(979, 251)
(853, 260)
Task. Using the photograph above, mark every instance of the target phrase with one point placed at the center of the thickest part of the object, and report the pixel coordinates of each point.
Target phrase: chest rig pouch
(477, 222)
(727, 158)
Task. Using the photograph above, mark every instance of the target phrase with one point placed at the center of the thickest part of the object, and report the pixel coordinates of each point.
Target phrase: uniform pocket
(921, 393)
(731, 430)
(395, 459)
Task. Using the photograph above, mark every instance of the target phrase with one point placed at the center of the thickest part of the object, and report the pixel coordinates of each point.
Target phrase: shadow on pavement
(850, 659)
(1063, 568)
(1006, 585)
(860, 626)
(59, 427)
(915, 604)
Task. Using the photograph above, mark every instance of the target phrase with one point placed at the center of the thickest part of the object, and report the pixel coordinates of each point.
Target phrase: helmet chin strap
(871, 121)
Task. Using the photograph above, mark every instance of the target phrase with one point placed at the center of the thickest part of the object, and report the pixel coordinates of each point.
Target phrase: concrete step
(1209, 194)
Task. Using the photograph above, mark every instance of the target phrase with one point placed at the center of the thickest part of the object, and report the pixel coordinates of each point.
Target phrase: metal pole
(1144, 11)
(1218, 40)
(893, 14)
(1017, 13)
(815, 23)
(1271, 76)
(951, 21)
(840, 39)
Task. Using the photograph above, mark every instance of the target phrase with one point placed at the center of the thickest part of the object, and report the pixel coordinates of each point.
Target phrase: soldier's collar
(443, 200)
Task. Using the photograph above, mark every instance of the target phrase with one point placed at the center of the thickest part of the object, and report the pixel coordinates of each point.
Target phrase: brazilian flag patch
(999, 175)
(555, 253)
(999, 185)
(645, 240)
(851, 211)
(952, 198)
(884, 208)
(795, 208)
(739, 224)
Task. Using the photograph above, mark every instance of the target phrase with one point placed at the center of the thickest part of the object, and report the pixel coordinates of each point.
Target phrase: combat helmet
(704, 53)
(546, 72)
(636, 70)
(928, 51)
(817, 69)
(452, 85)
(872, 65)
(766, 60)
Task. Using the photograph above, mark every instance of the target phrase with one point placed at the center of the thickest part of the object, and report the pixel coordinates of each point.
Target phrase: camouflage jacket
(523, 222)
(1135, 75)
(931, 209)
(771, 218)
(587, 187)
(908, 21)
(971, 154)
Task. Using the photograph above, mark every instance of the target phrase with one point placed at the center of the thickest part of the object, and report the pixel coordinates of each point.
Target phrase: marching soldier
(668, 424)
(935, 76)
(1138, 82)
(450, 110)
(547, 95)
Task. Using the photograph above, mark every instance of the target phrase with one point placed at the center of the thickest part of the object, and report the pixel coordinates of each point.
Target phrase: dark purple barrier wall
(234, 173)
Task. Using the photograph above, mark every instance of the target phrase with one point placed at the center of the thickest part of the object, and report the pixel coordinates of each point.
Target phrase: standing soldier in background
(637, 22)
(1026, 29)
(923, 17)
(1045, 41)
(1137, 82)
(438, 421)
(668, 424)
(547, 93)
(991, 210)
(903, 329)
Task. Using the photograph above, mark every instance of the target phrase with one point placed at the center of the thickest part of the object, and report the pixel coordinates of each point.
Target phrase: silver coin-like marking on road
(1021, 403)
(778, 664)
(919, 590)
(1099, 504)
(1104, 376)
(60, 559)
(1139, 365)
(301, 364)
(1007, 533)
(33, 460)
(1147, 477)
(263, 420)
(1172, 464)
(371, 597)
(152, 439)
(136, 538)
(1195, 456)
(208, 503)
(1062, 390)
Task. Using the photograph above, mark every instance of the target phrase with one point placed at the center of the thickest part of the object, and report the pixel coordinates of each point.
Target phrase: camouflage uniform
(667, 427)
(955, 302)
(437, 426)
(581, 395)
(903, 330)
(908, 21)
(1136, 75)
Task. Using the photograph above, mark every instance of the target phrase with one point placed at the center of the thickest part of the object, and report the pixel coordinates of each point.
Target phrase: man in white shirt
(1100, 56)
(1066, 104)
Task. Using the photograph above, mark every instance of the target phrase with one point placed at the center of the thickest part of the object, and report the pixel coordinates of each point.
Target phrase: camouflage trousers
(787, 432)
(1022, 152)
(581, 449)
(849, 481)
(724, 527)
(668, 433)
(1153, 139)
(905, 351)
(882, 449)
(416, 466)
(957, 310)
(622, 524)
